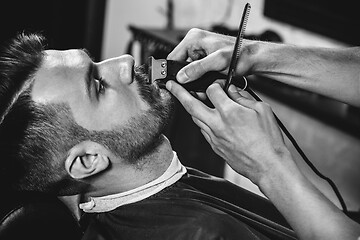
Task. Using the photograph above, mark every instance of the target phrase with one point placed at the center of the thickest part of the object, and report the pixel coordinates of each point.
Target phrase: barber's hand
(207, 51)
(241, 130)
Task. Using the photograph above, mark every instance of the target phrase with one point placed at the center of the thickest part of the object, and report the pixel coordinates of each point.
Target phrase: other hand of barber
(241, 130)
(207, 51)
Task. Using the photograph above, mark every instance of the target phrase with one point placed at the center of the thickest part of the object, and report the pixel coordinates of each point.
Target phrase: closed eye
(99, 85)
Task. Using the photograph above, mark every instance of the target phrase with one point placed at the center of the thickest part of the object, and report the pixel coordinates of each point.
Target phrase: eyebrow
(88, 78)
(88, 73)
(87, 53)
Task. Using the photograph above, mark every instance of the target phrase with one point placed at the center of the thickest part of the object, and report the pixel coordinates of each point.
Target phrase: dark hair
(32, 135)
(35, 138)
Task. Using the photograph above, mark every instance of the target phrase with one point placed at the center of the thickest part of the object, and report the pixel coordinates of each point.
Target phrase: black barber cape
(198, 206)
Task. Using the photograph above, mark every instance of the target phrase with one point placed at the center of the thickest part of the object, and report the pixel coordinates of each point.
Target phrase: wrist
(283, 171)
(261, 58)
(250, 57)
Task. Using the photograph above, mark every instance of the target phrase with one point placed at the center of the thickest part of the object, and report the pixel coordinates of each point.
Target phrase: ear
(86, 159)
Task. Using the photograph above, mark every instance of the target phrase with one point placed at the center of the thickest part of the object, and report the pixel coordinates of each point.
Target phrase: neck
(124, 177)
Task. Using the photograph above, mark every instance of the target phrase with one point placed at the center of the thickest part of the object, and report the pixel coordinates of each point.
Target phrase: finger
(201, 124)
(195, 69)
(190, 47)
(201, 95)
(238, 97)
(218, 97)
(180, 52)
(247, 95)
(206, 136)
(192, 105)
(268, 120)
(221, 82)
(194, 94)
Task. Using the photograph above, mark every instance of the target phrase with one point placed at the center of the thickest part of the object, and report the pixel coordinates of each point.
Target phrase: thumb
(196, 69)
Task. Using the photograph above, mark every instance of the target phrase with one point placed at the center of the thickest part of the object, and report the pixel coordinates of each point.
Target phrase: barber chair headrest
(36, 216)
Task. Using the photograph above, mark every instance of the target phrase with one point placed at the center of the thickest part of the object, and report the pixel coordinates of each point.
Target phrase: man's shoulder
(177, 212)
(176, 218)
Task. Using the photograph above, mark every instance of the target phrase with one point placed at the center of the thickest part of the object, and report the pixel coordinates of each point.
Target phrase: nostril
(132, 73)
(126, 71)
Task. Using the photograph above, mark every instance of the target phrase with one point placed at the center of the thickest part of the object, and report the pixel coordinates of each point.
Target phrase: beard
(140, 135)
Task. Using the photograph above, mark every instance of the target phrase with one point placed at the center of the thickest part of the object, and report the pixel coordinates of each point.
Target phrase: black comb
(237, 47)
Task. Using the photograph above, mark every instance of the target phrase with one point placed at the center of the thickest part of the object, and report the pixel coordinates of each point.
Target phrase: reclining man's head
(67, 121)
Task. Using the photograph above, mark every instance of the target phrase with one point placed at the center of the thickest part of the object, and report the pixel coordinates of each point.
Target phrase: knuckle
(222, 54)
(231, 114)
(223, 60)
(218, 127)
(210, 90)
(262, 106)
(217, 131)
(200, 68)
(258, 106)
(195, 32)
(227, 111)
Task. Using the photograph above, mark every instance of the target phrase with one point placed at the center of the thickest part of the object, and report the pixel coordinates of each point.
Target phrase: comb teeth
(245, 18)
(243, 27)
(237, 46)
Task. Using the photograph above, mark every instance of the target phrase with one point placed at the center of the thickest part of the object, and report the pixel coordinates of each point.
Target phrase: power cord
(302, 154)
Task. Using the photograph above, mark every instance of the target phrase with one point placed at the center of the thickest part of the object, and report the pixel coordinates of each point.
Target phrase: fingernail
(233, 89)
(168, 85)
(182, 77)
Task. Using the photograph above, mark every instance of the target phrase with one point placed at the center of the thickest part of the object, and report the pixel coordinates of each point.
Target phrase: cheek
(113, 108)
(127, 100)
(119, 108)
(102, 117)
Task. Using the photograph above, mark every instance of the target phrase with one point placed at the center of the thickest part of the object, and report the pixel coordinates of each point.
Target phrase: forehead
(56, 75)
(69, 58)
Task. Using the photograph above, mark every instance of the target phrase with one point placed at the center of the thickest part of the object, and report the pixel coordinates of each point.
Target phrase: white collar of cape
(109, 202)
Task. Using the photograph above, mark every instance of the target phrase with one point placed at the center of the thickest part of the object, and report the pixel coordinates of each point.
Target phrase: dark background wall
(65, 23)
(332, 18)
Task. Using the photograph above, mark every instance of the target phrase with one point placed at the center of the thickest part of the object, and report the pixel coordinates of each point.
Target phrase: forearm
(331, 72)
(307, 210)
(244, 132)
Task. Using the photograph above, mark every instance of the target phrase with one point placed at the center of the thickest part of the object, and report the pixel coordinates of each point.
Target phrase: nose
(117, 69)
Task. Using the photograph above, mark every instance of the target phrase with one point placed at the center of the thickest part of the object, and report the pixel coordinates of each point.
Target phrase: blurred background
(327, 131)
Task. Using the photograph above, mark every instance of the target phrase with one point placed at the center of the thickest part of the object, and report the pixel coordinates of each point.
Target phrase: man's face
(104, 96)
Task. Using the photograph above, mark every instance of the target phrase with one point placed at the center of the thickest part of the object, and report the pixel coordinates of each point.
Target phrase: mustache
(141, 73)
(147, 91)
